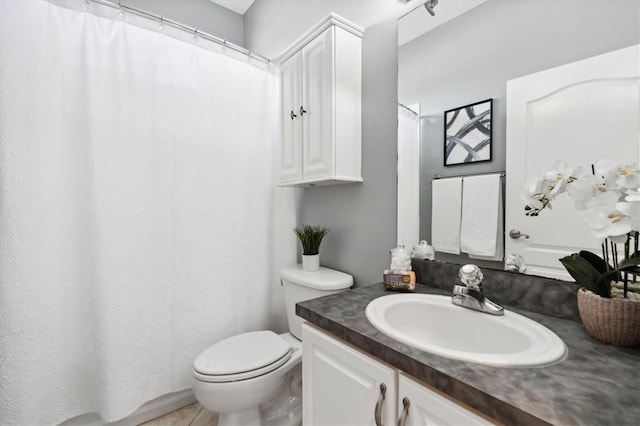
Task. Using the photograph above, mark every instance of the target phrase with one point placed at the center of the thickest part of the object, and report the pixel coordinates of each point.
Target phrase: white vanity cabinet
(342, 386)
(321, 106)
(420, 405)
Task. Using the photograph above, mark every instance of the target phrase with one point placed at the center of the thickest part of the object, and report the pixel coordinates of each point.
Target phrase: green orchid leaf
(596, 261)
(603, 283)
(582, 271)
(633, 270)
(630, 263)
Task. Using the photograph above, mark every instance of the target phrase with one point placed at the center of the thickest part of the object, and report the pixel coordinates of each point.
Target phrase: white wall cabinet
(321, 106)
(342, 385)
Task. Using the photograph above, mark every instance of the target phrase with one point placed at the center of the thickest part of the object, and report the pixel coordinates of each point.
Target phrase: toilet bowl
(237, 396)
(255, 378)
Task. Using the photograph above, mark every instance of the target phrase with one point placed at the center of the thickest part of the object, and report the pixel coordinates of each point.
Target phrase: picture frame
(468, 133)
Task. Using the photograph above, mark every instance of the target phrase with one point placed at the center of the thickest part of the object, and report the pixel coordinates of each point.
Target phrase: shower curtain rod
(195, 31)
(406, 108)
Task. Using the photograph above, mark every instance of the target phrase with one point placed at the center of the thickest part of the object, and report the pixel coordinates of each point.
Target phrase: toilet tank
(300, 285)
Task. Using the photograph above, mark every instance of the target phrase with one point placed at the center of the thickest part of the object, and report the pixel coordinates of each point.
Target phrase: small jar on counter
(423, 251)
(400, 259)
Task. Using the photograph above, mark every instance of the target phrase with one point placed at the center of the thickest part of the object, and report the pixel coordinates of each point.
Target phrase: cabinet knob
(302, 111)
(293, 115)
(405, 411)
(378, 410)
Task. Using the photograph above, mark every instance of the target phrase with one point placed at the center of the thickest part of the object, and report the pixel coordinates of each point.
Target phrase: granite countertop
(597, 384)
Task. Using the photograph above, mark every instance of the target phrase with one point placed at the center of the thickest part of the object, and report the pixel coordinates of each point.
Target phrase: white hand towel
(446, 207)
(482, 217)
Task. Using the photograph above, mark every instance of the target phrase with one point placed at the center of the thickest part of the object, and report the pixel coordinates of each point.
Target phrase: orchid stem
(627, 246)
(635, 252)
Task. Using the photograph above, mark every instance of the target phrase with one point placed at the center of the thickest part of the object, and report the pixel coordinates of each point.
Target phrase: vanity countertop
(597, 384)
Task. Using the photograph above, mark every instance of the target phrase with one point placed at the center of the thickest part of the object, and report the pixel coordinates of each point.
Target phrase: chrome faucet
(469, 295)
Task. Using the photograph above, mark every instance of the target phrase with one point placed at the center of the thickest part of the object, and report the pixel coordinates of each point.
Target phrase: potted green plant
(609, 302)
(310, 237)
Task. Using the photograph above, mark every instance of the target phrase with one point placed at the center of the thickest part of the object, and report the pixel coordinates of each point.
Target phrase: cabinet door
(428, 407)
(291, 84)
(318, 102)
(341, 386)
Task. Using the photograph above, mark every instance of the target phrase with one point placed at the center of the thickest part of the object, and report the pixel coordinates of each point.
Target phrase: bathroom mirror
(468, 52)
(425, 62)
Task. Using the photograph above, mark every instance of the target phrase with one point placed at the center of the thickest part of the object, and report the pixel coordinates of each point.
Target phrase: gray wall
(201, 14)
(472, 57)
(362, 217)
(272, 25)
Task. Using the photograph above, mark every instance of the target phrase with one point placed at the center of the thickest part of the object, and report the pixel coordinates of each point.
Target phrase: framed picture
(467, 133)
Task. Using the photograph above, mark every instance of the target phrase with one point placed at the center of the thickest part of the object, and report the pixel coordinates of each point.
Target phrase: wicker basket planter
(615, 320)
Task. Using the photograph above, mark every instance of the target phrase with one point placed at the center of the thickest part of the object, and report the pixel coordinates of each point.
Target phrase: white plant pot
(310, 262)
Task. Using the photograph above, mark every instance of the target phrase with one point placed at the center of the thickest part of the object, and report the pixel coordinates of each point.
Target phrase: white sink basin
(433, 324)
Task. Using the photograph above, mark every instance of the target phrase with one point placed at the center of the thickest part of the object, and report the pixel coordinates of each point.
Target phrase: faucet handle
(470, 275)
(460, 289)
(474, 292)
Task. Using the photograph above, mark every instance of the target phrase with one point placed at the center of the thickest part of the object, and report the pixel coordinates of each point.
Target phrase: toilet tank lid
(323, 279)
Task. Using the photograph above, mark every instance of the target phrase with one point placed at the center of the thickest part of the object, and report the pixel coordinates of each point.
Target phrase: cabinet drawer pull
(378, 411)
(293, 115)
(405, 411)
(302, 111)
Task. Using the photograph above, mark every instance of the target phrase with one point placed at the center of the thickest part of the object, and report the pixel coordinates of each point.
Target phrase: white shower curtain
(408, 175)
(135, 210)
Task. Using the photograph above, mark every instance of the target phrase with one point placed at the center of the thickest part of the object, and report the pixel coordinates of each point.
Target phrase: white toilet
(255, 378)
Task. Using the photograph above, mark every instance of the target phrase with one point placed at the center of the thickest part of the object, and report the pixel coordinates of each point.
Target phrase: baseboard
(158, 407)
(150, 410)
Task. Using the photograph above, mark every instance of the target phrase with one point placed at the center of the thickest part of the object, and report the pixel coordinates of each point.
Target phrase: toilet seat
(242, 357)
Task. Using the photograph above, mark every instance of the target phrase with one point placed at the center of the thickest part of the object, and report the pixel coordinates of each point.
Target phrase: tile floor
(191, 415)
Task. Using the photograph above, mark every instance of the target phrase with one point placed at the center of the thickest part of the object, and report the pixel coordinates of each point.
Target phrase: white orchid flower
(535, 194)
(537, 186)
(628, 176)
(533, 201)
(604, 199)
(612, 221)
(598, 193)
(632, 211)
(607, 173)
(582, 191)
(559, 177)
(633, 195)
(609, 196)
